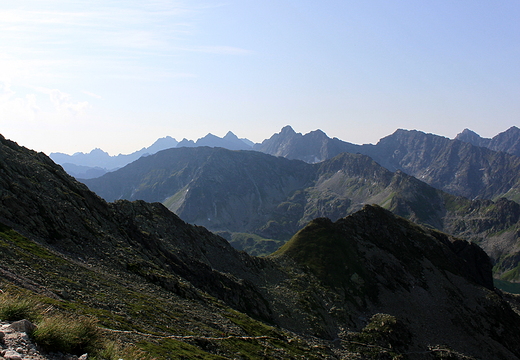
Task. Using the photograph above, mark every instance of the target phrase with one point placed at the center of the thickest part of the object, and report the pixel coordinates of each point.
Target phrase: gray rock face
(456, 167)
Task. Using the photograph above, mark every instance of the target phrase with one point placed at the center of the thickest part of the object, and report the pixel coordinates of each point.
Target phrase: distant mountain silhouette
(229, 141)
(83, 172)
(98, 162)
(99, 159)
(507, 141)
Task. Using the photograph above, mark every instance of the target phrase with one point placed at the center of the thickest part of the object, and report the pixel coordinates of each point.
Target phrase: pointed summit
(473, 138)
(312, 147)
(287, 130)
(230, 137)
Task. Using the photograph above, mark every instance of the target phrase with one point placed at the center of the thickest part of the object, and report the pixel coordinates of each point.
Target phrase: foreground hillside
(371, 285)
(245, 192)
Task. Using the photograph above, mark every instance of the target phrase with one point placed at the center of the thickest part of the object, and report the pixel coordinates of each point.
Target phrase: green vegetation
(175, 349)
(25, 245)
(57, 331)
(254, 245)
(251, 327)
(15, 307)
(68, 334)
(456, 204)
(175, 201)
(512, 274)
(505, 268)
(322, 248)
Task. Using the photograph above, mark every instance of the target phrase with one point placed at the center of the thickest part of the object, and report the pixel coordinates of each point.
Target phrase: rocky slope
(376, 252)
(371, 285)
(456, 167)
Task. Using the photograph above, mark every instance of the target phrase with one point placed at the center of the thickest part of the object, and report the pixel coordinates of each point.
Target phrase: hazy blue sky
(75, 75)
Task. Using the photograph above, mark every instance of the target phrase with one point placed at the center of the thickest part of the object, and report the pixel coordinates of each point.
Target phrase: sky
(117, 75)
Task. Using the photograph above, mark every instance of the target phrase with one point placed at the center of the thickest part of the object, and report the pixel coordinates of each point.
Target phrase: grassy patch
(26, 245)
(254, 245)
(333, 258)
(15, 307)
(250, 326)
(175, 349)
(510, 275)
(66, 334)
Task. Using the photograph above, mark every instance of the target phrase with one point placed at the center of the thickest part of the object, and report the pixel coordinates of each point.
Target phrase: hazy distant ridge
(98, 162)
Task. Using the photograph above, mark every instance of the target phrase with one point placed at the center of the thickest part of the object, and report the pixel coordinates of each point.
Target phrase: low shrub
(15, 307)
(66, 334)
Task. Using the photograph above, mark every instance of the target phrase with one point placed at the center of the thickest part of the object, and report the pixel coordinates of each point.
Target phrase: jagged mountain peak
(468, 133)
(98, 151)
(472, 137)
(312, 147)
(287, 129)
(230, 136)
(318, 133)
(507, 141)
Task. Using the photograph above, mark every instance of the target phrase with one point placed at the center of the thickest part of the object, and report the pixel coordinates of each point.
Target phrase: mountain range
(99, 162)
(237, 192)
(454, 166)
(370, 285)
(467, 168)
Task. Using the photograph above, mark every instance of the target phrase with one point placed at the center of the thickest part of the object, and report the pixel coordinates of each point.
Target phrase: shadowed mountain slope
(390, 287)
(273, 197)
(375, 251)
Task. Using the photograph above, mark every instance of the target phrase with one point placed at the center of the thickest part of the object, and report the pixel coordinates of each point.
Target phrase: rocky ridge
(507, 141)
